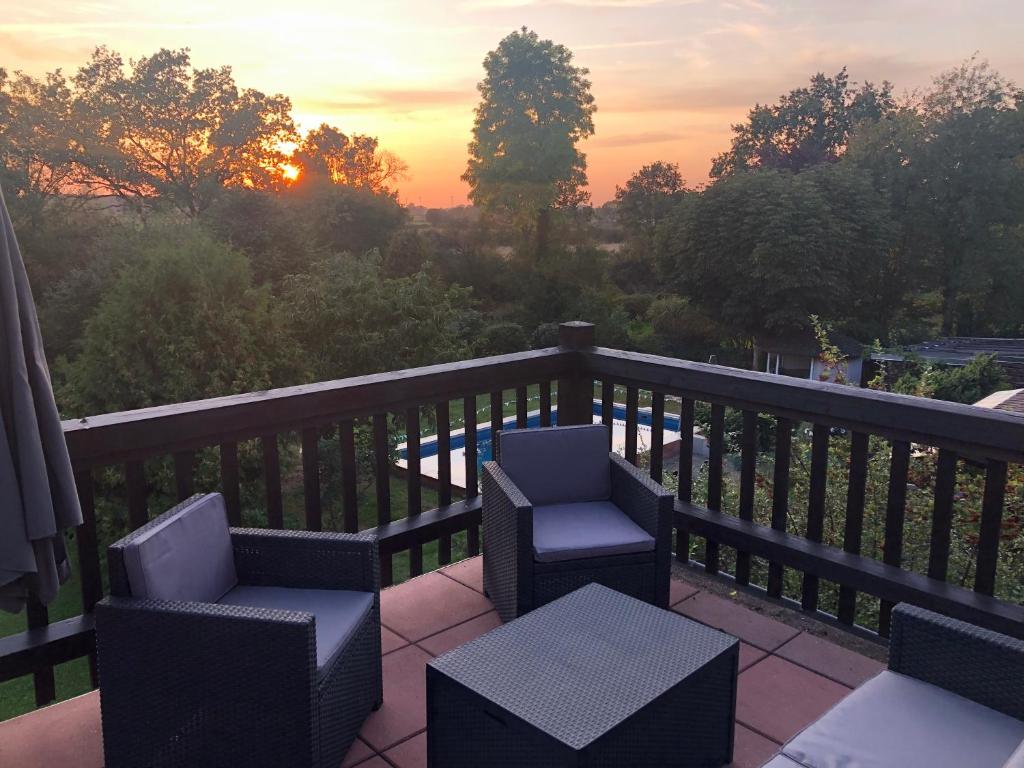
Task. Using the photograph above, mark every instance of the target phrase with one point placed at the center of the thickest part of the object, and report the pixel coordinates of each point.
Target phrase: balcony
(812, 608)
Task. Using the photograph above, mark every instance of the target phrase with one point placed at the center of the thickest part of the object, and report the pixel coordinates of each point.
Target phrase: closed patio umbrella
(38, 501)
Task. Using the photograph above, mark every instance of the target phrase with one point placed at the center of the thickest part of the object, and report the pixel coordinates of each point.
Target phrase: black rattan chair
(561, 511)
(236, 646)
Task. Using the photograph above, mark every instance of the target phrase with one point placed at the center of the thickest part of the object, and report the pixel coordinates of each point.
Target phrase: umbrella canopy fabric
(38, 500)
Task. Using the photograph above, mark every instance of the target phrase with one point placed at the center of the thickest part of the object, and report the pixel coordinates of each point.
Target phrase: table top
(580, 665)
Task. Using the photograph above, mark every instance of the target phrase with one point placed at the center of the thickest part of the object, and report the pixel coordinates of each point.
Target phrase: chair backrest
(185, 554)
(558, 465)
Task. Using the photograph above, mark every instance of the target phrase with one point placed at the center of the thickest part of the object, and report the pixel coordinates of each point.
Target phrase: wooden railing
(127, 441)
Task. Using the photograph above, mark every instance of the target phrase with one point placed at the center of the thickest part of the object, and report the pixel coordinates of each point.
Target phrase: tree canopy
(807, 126)
(648, 197)
(535, 107)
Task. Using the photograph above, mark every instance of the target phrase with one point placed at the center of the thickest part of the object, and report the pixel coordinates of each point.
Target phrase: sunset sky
(669, 77)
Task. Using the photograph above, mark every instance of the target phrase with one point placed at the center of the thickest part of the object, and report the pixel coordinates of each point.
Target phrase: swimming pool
(428, 446)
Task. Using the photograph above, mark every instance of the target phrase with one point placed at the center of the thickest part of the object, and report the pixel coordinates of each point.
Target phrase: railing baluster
(608, 407)
(413, 493)
(780, 495)
(184, 483)
(472, 484)
(135, 477)
(469, 432)
(349, 480)
(716, 454)
(816, 508)
(521, 403)
(545, 403)
(685, 474)
(88, 550)
(854, 527)
(657, 434)
(942, 515)
(272, 481)
(311, 478)
(895, 512)
(42, 679)
(497, 416)
(229, 482)
(444, 475)
(382, 480)
(748, 468)
(991, 522)
(632, 404)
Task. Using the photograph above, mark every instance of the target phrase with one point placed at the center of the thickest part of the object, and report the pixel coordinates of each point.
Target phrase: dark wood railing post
(575, 390)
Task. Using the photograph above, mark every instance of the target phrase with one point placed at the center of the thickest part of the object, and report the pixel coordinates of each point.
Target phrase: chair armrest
(978, 664)
(644, 500)
(179, 675)
(507, 517)
(306, 559)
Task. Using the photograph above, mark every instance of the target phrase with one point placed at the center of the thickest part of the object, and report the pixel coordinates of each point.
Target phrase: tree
(807, 126)
(355, 161)
(764, 250)
(183, 322)
(168, 132)
(350, 320)
(535, 107)
(340, 218)
(647, 199)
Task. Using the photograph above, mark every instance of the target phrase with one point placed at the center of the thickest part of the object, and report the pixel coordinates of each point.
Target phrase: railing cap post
(576, 334)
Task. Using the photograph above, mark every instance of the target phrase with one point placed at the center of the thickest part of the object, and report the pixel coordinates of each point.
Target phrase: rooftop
(789, 674)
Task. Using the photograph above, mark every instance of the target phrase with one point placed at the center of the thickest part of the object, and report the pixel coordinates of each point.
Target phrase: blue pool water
(428, 446)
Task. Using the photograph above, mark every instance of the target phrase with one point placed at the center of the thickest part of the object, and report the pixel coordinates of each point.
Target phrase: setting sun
(290, 172)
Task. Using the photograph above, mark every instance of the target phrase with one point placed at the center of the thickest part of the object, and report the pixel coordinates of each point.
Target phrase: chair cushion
(338, 612)
(187, 556)
(894, 721)
(555, 465)
(781, 761)
(1016, 760)
(587, 529)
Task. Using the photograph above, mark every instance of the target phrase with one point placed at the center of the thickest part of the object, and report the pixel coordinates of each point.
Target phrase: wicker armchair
(281, 669)
(560, 511)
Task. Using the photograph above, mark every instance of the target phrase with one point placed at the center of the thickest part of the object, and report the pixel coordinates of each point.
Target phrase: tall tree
(648, 198)
(535, 107)
(166, 131)
(807, 126)
(355, 161)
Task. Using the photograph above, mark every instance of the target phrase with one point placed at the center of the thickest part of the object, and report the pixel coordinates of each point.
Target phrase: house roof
(1009, 400)
(805, 343)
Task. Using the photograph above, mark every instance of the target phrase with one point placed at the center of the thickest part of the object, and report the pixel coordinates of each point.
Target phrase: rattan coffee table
(595, 678)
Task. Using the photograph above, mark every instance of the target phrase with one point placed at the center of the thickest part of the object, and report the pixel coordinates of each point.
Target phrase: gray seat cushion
(586, 529)
(186, 557)
(554, 465)
(1016, 760)
(338, 612)
(894, 721)
(781, 761)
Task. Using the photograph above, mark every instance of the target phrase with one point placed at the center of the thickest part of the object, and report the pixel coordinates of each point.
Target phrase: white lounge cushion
(894, 721)
(588, 529)
(781, 761)
(186, 557)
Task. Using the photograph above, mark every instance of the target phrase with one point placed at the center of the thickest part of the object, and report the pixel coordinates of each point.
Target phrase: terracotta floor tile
(738, 620)
(749, 655)
(389, 641)
(778, 698)
(357, 754)
(409, 754)
(429, 604)
(829, 659)
(469, 572)
(64, 734)
(751, 750)
(405, 700)
(679, 591)
(458, 635)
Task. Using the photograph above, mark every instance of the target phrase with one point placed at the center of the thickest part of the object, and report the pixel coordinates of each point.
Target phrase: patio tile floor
(788, 678)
